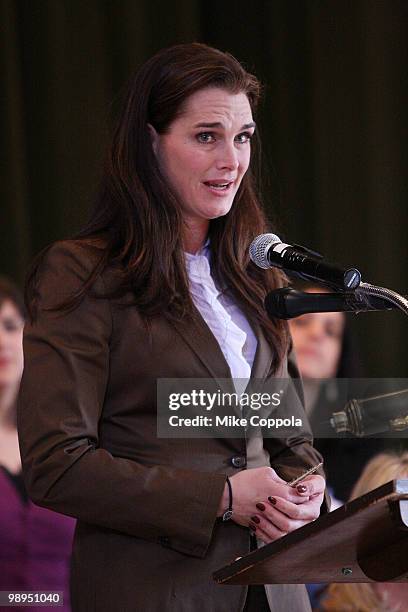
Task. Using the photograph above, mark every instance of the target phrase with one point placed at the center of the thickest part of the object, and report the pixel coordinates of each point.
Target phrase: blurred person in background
(373, 596)
(35, 544)
(325, 351)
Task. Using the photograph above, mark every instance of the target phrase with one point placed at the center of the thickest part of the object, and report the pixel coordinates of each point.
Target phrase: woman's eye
(300, 321)
(205, 137)
(12, 326)
(333, 333)
(244, 137)
(209, 137)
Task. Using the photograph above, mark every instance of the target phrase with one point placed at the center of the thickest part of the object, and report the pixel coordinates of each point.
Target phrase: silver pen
(294, 482)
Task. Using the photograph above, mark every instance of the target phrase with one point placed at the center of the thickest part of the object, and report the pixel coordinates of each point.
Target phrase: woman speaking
(159, 285)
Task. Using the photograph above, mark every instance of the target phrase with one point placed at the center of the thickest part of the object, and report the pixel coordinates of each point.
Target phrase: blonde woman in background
(374, 596)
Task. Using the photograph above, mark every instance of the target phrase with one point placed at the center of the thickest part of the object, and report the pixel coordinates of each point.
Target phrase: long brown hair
(135, 202)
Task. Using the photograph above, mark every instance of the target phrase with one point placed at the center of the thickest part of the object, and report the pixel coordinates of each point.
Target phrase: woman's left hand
(280, 516)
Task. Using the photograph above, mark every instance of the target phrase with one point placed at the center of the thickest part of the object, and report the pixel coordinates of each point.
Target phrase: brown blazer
(147, 537)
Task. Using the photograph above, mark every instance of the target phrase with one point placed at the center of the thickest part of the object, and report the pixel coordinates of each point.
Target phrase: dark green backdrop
(334, 122)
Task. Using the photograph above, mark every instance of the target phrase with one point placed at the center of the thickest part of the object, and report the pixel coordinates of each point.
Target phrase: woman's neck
(8, 397)
(195, 235)
(311, 388)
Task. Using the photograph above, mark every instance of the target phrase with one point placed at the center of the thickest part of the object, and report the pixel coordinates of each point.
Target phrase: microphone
(267, 251)
(288, 303)
(373, 415)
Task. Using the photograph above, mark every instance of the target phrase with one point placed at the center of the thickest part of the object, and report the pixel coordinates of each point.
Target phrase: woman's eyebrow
(217, 124)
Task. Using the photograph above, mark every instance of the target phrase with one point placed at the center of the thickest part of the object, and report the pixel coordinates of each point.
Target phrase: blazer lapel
(263, 356)
(199, 337)
(202, 341)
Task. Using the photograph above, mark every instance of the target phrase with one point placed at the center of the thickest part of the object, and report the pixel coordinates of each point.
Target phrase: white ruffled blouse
(226, 321)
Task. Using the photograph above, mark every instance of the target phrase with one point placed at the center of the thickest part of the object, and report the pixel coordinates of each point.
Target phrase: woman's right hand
(250, 491)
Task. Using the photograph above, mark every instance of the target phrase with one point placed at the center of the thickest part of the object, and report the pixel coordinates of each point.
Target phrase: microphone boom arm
(391, 296)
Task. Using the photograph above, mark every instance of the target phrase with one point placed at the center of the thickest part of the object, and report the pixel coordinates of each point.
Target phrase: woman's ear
(154, 138)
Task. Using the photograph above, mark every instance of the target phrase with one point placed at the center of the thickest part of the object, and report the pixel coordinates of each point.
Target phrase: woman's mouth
(219, 187)
(309, 352)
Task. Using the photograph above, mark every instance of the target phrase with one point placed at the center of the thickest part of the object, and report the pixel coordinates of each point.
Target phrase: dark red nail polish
(272, 500)
(255, 519)
(301, 488)
(252, 527)
(260, 506)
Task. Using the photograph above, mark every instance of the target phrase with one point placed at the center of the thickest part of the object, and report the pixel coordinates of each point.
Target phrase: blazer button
(239, 462)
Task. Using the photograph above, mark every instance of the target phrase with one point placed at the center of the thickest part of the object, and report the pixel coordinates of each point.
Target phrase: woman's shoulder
(84, 252)
(66, 266)
(71, 260)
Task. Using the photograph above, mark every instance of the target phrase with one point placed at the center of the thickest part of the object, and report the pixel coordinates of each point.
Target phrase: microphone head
(258, 251)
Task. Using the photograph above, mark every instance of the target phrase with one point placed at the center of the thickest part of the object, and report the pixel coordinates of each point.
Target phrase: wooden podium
(365, 540)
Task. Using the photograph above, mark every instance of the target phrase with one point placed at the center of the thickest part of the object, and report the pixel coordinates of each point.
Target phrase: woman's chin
(310, 372)
(217, 209)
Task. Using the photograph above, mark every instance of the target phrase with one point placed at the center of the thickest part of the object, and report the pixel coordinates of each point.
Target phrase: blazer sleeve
(61, 400)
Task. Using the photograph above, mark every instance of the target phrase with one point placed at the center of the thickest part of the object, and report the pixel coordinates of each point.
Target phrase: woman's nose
(316, 330)
(228, 158)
